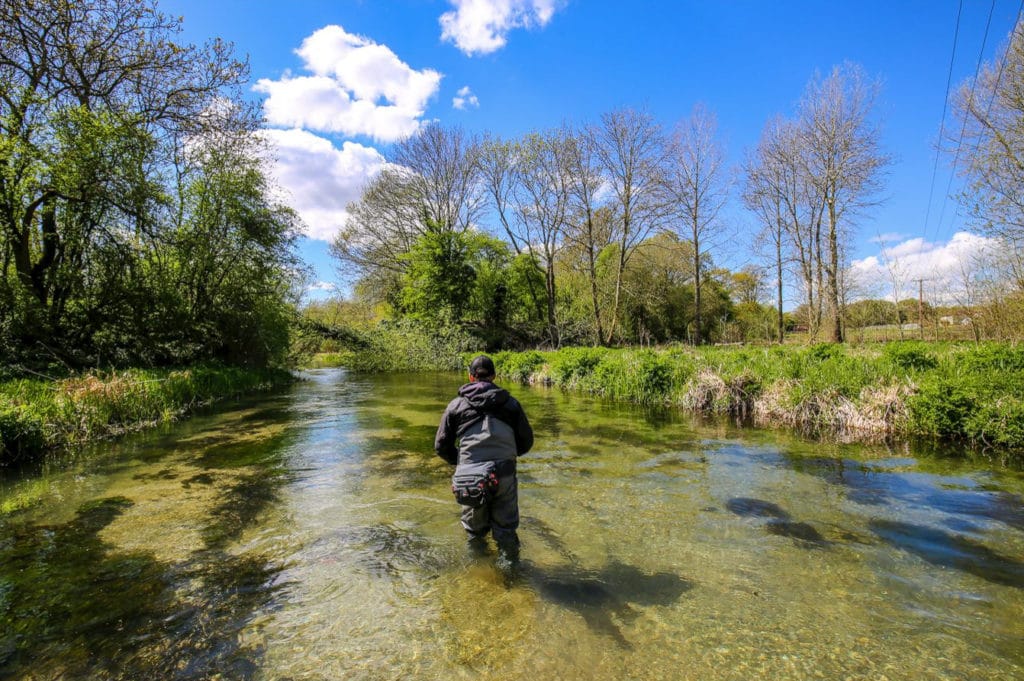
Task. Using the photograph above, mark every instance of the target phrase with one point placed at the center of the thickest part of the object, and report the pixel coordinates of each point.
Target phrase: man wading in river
(482, 432)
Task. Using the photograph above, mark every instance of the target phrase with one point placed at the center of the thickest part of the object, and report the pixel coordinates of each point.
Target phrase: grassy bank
(38, 414)
(960, 392)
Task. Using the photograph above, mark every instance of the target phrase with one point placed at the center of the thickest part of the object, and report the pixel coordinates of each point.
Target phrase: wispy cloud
(482, 26)
(888, 237)
(464, 99)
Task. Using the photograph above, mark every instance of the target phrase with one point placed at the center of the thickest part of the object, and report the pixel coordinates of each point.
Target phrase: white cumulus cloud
(482, 26)
(357, 87)
(319, 178)
(465, 98)
(942, 266)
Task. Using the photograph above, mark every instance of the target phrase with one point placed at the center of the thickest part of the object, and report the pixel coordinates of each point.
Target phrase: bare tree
(498, 162)
(588, 224)
(779, 191)
(992, 141)
(381, 226)
(443, 175)
(698, 187)
(897, 271)
(541, 204)
(843, 162)
(631, 148)
(432, 183)
(764, 194)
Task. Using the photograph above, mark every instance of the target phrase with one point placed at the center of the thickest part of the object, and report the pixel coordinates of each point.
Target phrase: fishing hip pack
(475, 483)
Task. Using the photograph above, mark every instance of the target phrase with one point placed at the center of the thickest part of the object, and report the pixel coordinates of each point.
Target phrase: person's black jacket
(476, 402)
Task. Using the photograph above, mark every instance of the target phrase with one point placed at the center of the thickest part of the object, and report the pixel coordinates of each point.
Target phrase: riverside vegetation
(959, 392)
(953, 392)
(37, 415)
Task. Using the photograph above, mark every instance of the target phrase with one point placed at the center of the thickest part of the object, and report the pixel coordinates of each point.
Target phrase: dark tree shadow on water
(73, 606)
(779, 522)
(951, 551)
(756, 508)
(605, 598)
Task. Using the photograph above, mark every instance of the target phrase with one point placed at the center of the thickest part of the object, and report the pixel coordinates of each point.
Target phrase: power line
(999, 78)
(963, 127)
(942, 122)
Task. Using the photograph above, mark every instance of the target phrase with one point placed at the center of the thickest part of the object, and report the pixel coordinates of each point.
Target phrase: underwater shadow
(951, 551)
(605, 597)
(779, 522)
(74, 606)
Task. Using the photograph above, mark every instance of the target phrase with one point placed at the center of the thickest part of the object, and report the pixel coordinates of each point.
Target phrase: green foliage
(911, 355)
(409, 345)
(21, 431)
(953, 392)
(637, 376)
(439, 276)
(570, 366)
(974, 395)
(518, 366)
(139, 228)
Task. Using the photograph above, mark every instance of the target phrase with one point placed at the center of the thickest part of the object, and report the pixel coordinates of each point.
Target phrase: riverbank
(37, 415)
(969, 393)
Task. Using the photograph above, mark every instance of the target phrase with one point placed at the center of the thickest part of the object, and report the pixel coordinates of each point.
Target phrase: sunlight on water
(312, 535)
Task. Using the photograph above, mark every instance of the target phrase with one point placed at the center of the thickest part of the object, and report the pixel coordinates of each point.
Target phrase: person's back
(482, 432)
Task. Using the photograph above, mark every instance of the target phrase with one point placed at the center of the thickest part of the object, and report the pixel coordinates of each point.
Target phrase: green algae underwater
(311, 534)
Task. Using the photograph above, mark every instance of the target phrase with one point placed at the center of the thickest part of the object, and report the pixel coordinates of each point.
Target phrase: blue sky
(340, 81)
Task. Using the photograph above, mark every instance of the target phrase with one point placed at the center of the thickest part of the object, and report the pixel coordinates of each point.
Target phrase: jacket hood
(484, 396)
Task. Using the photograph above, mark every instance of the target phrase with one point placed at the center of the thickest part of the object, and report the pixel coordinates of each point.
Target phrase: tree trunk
(778, 273)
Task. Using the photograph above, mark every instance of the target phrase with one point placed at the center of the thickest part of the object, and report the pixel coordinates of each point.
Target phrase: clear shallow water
(311, 535)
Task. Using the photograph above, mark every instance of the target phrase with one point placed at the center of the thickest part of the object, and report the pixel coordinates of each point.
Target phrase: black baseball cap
(481, 367)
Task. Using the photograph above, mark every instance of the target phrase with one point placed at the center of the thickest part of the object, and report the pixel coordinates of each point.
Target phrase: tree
(774, 192)
(381, 227)
(497, 163)
(590, 226)
(698, 188)
(100, 111)
(843, 162)
(439, 277)
(897, 271)
(630, 146)
(432, 183)
(746, 285)
(442, 176)
(991, 112)
(541, 204)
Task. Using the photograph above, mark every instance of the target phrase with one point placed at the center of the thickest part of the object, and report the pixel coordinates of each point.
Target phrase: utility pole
(920, 307)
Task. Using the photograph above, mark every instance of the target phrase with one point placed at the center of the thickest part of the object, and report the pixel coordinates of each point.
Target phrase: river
(311, 534)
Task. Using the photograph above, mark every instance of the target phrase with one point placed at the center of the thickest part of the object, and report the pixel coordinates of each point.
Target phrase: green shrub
(910, 356)
(35, 415)
(941, 407)
(409, 345)
(998, 422)
(517, 366)
(570, 365)
(992, 357)
(21, 432)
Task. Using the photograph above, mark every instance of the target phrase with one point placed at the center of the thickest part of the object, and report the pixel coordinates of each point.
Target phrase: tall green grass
(36, 415)
(962, 392)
